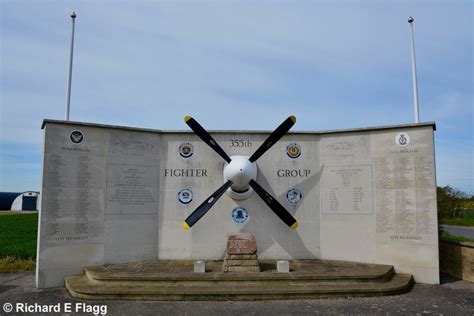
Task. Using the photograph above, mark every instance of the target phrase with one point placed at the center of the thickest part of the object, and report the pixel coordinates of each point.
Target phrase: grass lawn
(18, 242)
(462, 221)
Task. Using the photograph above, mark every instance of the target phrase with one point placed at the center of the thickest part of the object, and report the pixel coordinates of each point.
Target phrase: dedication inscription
(131, 189)
(241, 244)
(347, 190)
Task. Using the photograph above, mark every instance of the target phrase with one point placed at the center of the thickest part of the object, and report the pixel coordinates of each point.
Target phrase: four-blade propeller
(274, 205)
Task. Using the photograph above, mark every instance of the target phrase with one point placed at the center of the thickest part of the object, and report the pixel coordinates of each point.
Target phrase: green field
(18, 236)
(461, 221)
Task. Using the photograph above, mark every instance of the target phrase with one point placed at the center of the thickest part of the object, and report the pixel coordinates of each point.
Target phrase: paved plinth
(174, 280)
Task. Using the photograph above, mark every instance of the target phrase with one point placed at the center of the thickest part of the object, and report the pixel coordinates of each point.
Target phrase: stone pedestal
(283, 266)
(241, 253)
(199, 266)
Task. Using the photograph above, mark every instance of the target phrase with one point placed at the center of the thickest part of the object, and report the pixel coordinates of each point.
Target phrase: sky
(236, 65)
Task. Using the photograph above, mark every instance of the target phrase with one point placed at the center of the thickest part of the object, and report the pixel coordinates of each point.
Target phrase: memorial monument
(114, 195)
(241, 254)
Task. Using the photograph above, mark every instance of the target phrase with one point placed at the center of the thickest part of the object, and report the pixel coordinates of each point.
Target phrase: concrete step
(171, 270)
(84, 288)
(172, 280)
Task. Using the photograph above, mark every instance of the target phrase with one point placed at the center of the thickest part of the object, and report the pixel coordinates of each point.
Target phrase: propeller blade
(202, 209)
(274, 137)
(204, 135)
(276, 207)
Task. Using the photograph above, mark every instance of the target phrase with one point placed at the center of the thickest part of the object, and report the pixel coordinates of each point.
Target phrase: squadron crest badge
(185, 196)
(240, 215)
(294, 196)
(76, 137)
(293, 150)
(402, 139)
(186, 150)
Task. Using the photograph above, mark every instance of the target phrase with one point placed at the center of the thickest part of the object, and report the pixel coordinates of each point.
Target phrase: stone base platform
(175, 280)
(241, 263)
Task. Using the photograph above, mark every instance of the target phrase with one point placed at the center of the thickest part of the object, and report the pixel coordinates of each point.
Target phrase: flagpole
(413, 68)
(68, 97)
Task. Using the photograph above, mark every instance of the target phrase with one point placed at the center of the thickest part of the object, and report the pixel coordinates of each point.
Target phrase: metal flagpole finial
(73, 15)
(411, 19)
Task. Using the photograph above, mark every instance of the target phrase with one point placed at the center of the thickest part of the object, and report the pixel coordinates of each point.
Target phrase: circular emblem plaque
(240, 214)
(402, 139)
(294, 196)
(293, 150)
(186, 150)
(185, 196)
(76, 137)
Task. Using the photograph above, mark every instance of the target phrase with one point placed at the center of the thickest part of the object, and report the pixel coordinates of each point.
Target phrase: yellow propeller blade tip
(187, 118)
(293, 118)
(185, 225)
(295, 225)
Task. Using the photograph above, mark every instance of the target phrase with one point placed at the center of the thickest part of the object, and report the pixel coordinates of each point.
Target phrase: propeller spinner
(240, 171)
(240, 174)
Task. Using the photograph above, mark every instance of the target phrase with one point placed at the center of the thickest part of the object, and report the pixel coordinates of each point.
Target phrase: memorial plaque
(132, 189)
(241, 244)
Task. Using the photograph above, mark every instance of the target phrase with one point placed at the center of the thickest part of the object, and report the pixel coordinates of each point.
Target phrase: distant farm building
(13, 201)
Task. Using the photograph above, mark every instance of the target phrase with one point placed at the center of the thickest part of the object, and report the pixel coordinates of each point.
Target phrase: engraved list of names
(72, 199)
(406, 203)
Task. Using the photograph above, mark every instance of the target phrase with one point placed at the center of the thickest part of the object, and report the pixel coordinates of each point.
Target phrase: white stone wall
(387, 200)
(114, 198)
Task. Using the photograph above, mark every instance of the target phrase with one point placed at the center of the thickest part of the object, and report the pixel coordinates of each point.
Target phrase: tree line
(453, 203)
